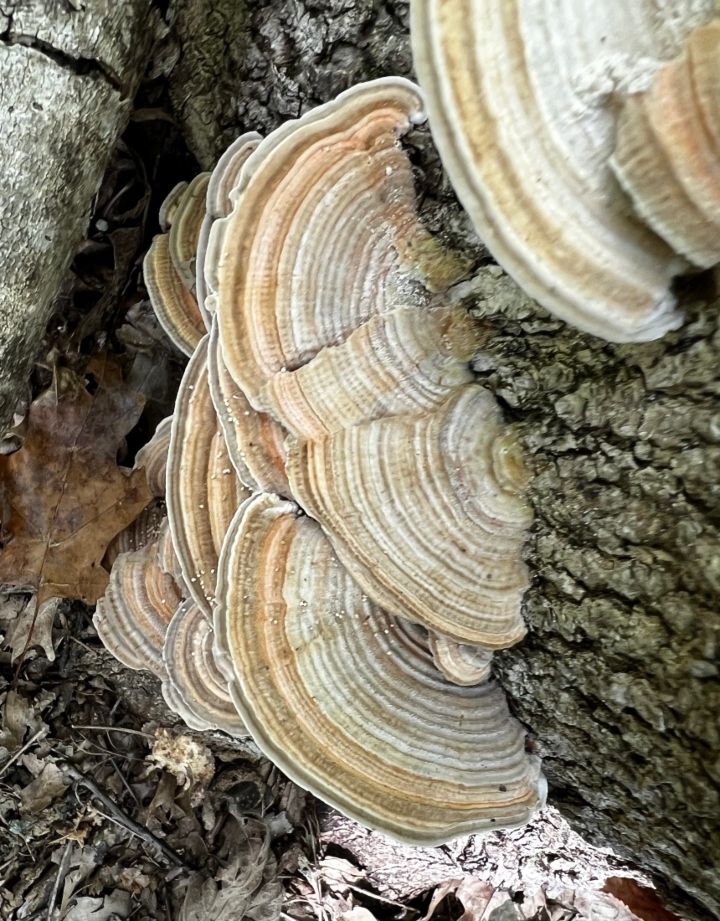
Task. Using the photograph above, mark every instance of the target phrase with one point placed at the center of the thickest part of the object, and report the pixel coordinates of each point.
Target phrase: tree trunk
(68, 72)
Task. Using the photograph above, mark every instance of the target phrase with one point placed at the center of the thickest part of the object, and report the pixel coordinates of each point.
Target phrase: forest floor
(109, 807)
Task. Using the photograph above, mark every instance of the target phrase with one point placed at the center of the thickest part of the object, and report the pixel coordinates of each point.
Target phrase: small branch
(139, 830)
(40, 733)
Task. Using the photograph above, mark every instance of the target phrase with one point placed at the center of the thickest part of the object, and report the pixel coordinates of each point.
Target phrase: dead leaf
(643, 902)
(33, 627)
(62, 495)
(39, 793)
(18, 718)
(247, 886)
(87, 908)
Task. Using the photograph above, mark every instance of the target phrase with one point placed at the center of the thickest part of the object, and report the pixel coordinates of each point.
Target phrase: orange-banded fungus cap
(195, 688)
(203, 490)
(255, 441)
(668, 149)
(133, 614)
(345, 698)
(323, 235)
(427, 513)
(522, 103)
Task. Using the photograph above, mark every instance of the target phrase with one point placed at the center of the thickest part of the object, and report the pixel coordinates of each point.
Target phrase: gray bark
(618, 678)
(67, 76)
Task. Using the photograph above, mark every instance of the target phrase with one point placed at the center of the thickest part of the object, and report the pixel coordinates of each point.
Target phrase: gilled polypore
(345, 503)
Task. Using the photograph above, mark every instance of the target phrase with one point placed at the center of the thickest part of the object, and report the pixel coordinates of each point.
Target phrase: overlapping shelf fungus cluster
(345, 514)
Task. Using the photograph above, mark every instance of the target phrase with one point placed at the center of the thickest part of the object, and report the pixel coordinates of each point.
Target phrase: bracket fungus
(522, 101)
(461, 664)
(667, 153)
(169, 266)
(346, 699)
(195, 688)
(323, 218)
(133, 614)
(203, 491)
(255, 441)
(335, 612)
(427, 514)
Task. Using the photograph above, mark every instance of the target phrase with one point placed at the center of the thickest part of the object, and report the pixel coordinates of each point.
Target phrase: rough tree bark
(618, 678)
(68, 73)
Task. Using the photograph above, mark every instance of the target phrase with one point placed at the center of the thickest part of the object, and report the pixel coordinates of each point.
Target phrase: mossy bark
(67, 77)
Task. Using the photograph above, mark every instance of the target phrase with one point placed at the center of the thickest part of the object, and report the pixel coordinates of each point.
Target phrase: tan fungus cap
(346, 700)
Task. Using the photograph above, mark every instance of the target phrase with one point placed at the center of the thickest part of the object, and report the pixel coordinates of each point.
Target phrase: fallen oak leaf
(62, 496)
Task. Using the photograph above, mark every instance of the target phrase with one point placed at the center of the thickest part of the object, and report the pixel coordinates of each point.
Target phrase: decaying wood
(68, 73)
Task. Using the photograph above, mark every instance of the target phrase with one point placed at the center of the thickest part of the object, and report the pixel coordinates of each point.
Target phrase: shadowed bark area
(67, 78)
(617, 679)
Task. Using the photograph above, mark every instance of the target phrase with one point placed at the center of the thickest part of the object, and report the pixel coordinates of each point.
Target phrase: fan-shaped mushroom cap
(427, 515)
(519, 101)
(218, 204)
(323, 234)
(153, 457)
(464, 665)
(138, 534)
(169, 206)
(195, 688)
(405, 361)
(668, 149)
(138, 604)
(255, 441)
(346, 700)
(187, 220)
(203, 490)
(174, 304)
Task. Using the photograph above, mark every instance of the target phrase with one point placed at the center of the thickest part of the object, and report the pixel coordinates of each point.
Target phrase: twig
(19, 754)
(62, 870)
(130, 824)
(132, 732)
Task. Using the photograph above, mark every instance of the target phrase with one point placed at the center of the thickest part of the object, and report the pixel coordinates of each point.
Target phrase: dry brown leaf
(18, 719)
(62, 495)
(247, 886)
(33, 626)
(39, 793)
